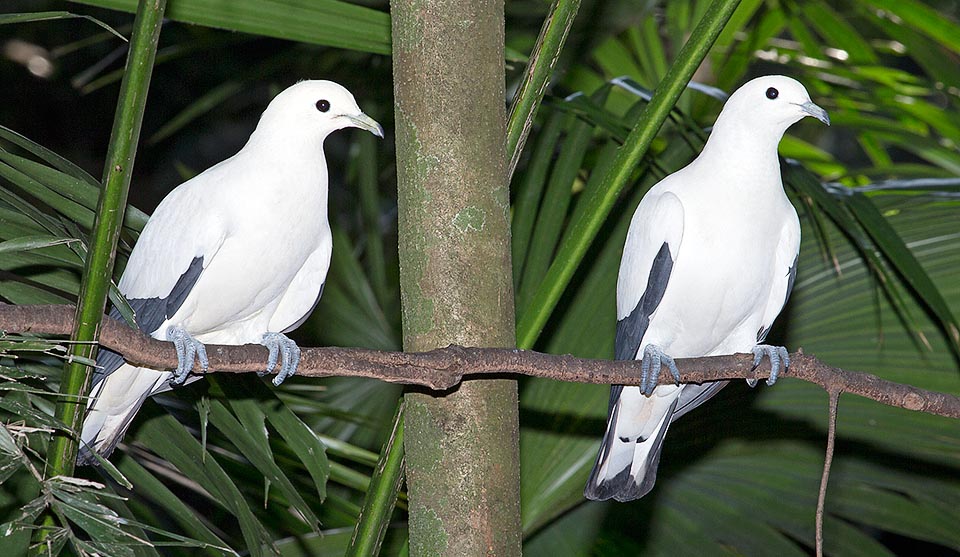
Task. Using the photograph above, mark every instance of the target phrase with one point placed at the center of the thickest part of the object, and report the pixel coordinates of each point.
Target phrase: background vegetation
(878, 282)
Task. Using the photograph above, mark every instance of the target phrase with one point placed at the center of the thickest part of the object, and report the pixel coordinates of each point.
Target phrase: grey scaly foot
(654, 358)
(279, 345)
(778, 357)
(188, 349)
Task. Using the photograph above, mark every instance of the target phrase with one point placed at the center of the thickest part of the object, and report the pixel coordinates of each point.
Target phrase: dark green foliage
(877, 288)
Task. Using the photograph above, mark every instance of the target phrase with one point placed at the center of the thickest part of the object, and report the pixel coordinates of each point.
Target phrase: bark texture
(455, 271)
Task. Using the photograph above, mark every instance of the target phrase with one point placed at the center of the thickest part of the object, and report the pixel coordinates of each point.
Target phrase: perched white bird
(239, 254)
(709, 262)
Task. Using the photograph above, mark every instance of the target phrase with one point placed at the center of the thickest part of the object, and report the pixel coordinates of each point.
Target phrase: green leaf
(923, 18)
(150, 487)
(33, 242)
(553, 208)
(44, 154)
(838, 32)
(530, 190)
(349, 300)
(75, 198)
(11, 457)
(926, 51)
(48, 16)
(32, 416)
(323, 22)
(19, 204)
(899, 255)
(169, 439)
(252, 406)
(365, 168)
(303, 442)
(572, 534)
(250, 438)
(808, 186)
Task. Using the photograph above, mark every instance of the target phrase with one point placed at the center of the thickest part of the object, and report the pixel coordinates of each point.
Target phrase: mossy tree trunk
(455, 272)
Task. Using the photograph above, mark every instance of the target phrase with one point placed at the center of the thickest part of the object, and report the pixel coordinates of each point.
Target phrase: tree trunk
(455, 271)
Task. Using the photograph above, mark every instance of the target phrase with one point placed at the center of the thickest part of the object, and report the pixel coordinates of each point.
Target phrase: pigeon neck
(738, 148)
(292, 141)
(294, 151)
(297, 163)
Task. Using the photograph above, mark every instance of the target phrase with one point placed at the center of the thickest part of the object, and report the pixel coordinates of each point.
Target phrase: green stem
(381, 495)
(584, 230)
(370, 209)
(106, 229)
(543, 59)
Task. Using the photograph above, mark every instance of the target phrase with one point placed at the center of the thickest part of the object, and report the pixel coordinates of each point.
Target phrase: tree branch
(445, 368)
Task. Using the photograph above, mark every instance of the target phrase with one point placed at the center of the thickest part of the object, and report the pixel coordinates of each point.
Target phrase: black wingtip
(85, 457)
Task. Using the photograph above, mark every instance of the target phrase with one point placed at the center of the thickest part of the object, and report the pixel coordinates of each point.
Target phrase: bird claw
(779, 357)
(282, 348)
(654, 358)
(188, 350)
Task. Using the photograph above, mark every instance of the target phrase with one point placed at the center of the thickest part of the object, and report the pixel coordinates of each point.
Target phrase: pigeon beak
(365, 122)
(811, 109)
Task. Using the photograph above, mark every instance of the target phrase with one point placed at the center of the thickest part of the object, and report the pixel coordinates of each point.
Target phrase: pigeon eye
(323, 105)
(772, 93)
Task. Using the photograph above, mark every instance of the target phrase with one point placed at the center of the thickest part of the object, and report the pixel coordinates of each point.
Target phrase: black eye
(323, 105)
(772, 93)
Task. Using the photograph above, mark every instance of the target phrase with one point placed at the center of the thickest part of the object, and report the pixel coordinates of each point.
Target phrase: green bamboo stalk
(543, 59)
(381, 495)
(584, 230)
(98, 269)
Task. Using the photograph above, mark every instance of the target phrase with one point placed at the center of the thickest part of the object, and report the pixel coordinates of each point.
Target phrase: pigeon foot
(779, 359)
(653, 359)
(279, 345)
(188, 349)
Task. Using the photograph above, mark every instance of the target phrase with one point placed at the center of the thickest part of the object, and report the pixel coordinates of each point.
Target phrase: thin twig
(445, 368)
(827, 462)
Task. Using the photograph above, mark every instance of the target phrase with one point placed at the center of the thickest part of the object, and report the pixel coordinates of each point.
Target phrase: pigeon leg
(188, 349)
(279, 345)
(778, 357)
(653, 359)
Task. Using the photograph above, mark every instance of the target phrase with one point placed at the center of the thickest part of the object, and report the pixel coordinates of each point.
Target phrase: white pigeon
(238, 254)
(709, 262)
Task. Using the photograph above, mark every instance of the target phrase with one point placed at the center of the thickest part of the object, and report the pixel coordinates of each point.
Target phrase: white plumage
(236, 255)
(708, 264)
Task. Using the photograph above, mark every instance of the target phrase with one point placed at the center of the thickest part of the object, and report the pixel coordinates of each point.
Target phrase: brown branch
(445, 368)
(827, 463)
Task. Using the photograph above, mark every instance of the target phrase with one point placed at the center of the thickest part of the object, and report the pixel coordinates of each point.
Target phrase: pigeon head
(314, 109)
(771, 103)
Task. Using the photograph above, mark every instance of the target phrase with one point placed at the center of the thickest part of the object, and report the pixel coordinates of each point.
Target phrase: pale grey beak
(365, 122)
(813, 110)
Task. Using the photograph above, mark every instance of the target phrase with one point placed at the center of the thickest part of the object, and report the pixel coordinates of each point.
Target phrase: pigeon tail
(626, 467)
(111, 410)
